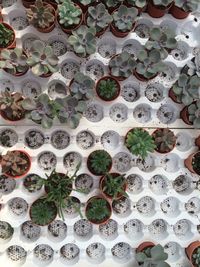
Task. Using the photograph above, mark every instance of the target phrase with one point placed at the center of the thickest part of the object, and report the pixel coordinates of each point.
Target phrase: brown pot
(117, 92)
(52, 26)
(1, 17)
(157, 11)
(178, 13)
(172, 95)
(191, 249)
(119, 33)
(197, 141)
(185, 116)
(27, 3)
(157, 149)
(12, 43)
(188, 162)
(141, 78)
(144, 245)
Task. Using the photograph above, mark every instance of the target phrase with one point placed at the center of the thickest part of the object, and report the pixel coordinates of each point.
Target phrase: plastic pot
(157, 11)
(117, 92)
(191, 249)
(178, 12)
(12, 43)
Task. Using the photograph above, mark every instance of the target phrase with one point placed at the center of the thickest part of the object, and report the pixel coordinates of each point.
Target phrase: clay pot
(141, 78)
(117, 92)
(144, 246)
(27, 3)
(188, 162)
(157, 11)
(178, 13)
(197, 141)
(12, 43)
(54, 4)
(119, 33)
(172, 95)
(185, 116)
(191, 249)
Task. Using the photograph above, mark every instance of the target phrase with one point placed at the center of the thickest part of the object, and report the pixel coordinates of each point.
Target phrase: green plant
(137, 3)
(40, 110)
(163, 3)
(124, 18)
(196, 257)
(82, 86)
(161, 40)
(139, 142)
(194, 114)
(83, 41)
(43, 212)
(40, 15)
(42, 59)
(122, 65)
(107, 88)
(99, 161)
(13, 60)
(113, 3)
(193, 66)
(98, 210)
(187, 88)
(6, 35)
(196, 163)
(11, 105)
(69, 14)
(187, 5)
(149, 63)
(6, 230)
(152, 256)
(98, 17)
(164, 139)
(114, 185)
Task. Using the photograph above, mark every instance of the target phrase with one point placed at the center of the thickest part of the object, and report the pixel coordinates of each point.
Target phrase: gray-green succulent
(86, 2)
(194, 66)
(194, 114)
(196, 257)
(124, 18)
(113, 3)
(137, 3)
(187, 5)
(164, 3)
(83, 41)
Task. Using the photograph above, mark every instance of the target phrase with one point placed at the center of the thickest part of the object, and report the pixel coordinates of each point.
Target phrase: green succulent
(196, 257)
(100, 161)
(124, 18)
(69, 14)
(152, 256)
(193, 66)
(164, 139)
(137, 3)
(187, 5)
(42, 59)
(83, 41)
(82, 86)
(98, 17)
(161, 40)
(194, 114)
(187, 88)
(122, 65)
(164, 3)
(196, 163)
(6, 36)
(113, 3)
(139, 142)
(113, 185)
(40, 15)
(149, 63)
(98, 209)
(107, 88)
(13, 60)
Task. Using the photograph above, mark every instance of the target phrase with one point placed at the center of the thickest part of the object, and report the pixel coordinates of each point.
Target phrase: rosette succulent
(187, 5)
(193, 66)
(113, 3)
(194, 114)
(137, 3)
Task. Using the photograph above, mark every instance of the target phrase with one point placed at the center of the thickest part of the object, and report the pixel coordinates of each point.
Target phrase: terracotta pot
(145, 245)
(52, 26)
(119, 33)
(117, 92)
(88, 205)
(98, 33)
(178, 13)
(157, 11)
(12, 43)
(185, 116)
(197, 141)
(188, 162)
(141, 78)
(191, 249)
(157, 149)
(27, 3)
(27, 170)
(172, 95)
(92, 171)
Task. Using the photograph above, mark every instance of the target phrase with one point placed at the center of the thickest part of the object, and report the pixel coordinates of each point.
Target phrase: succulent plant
(69, 14)
(99, 161)
(163, 3)
(113, 3)
(187, 88)
(85, 2)
(108, 88)
(13, 60)
(196, 163)
(15, 163)
(83, 41)
(196, 257)
(98, 17)
(6, 35)
(40, 15)
(187, 5)
(164, 139)
(42, 59)
(11, 105)
(70, 110)
(6, 230)
(162, 40)
(194, 114)
(40, 110)
(82, 86)
(122, 65)
(149, 63)
(139, 142)
(152, 256)
(114, 185)
(124, 18)
(137, 3)
(193, 66)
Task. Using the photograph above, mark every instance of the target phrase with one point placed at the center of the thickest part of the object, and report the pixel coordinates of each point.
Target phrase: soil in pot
(108, 88)
(12, 38)
(193, 163)
(165, 140)
(178, 12)
(157, 11)
(99, 162)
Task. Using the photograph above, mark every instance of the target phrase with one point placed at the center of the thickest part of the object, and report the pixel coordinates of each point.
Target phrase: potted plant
(42, 60)
(123, 21)
(85, 4)
(99, 18)
(164, 140)
(113, 4)
(185, 90)
(6, 231)
(151, 255)
(83, 41)
(182, 8)
(193, 163)
(82, 86)
(13, 61)
(15, 163)
(193, 253)
(149, 64)
(108, 88)
(69, 16)
(191, 114)
(28, 3)
(7, 36)
(139, 142)
(162, 40)
(113, 185)
(98, 210)
(158, 8)
(139, 4)
(121, 66)
(41, 16)
(193, 67)
(11, 106)
(99, 162)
